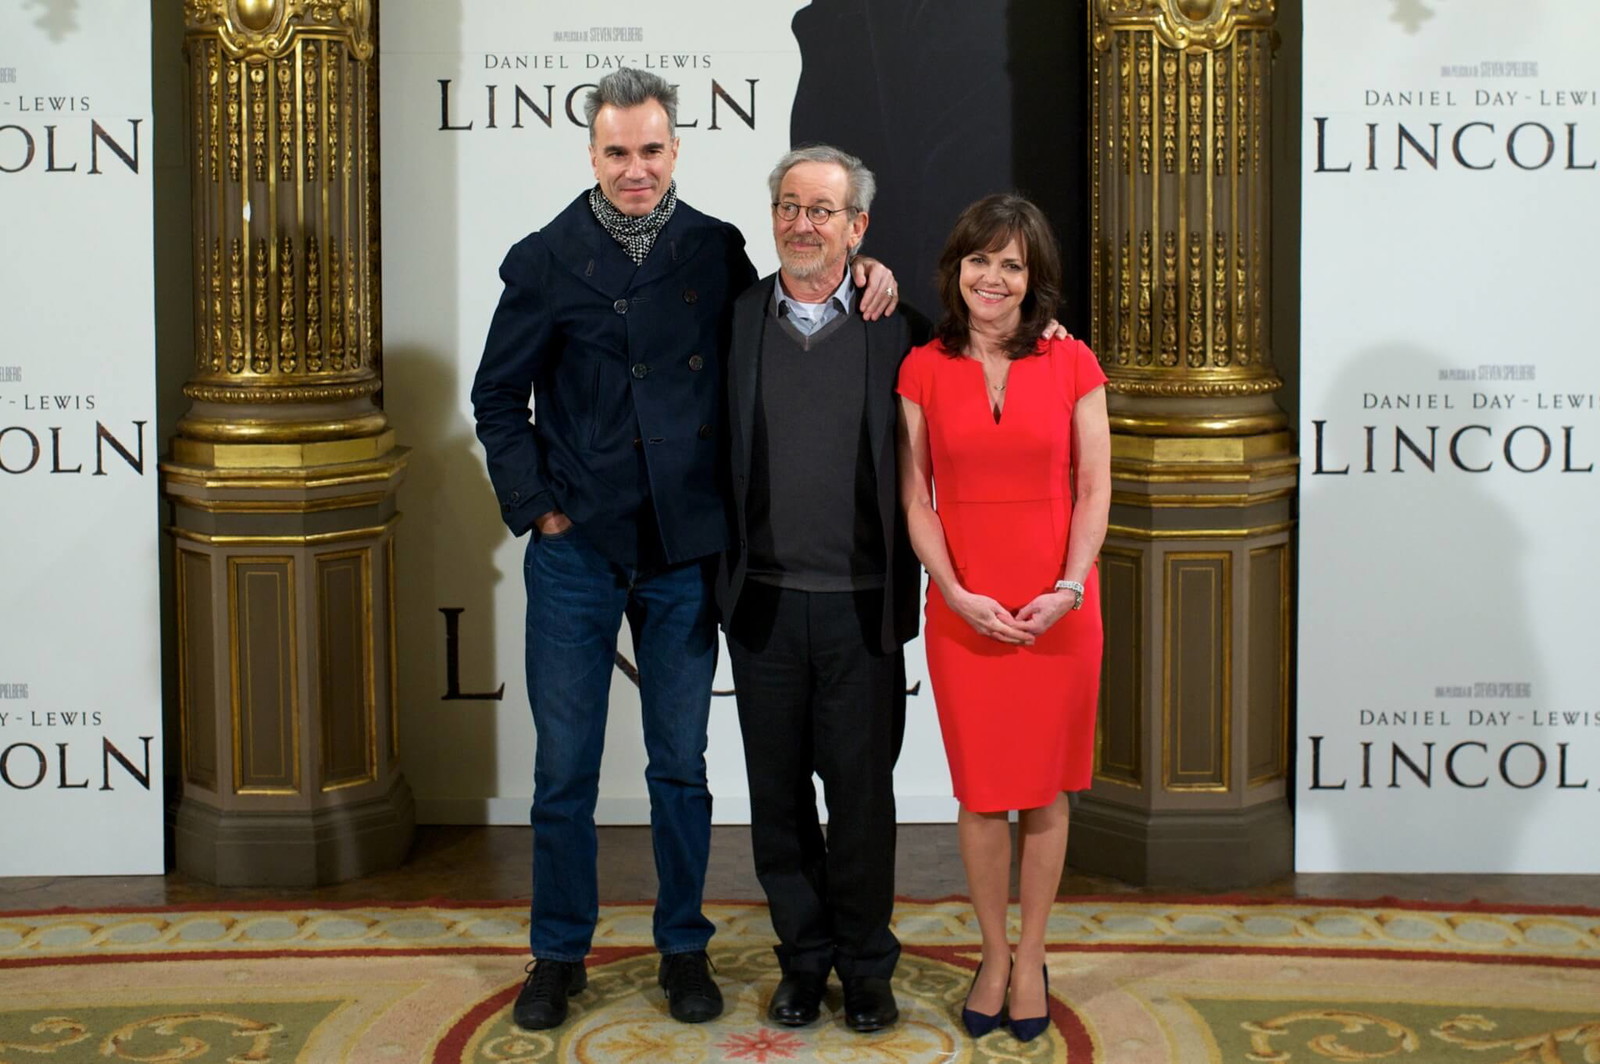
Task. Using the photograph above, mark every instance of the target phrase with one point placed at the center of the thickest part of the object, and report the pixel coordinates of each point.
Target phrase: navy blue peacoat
(623, 366)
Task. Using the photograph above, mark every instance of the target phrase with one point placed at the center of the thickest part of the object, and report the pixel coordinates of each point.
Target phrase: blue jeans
(577, 600)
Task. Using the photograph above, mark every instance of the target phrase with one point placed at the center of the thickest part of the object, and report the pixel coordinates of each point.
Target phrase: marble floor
(491, 863)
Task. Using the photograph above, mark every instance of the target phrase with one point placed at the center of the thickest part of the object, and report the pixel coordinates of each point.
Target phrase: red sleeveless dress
(1018, 721)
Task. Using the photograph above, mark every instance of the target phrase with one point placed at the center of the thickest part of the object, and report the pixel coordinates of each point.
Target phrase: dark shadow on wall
(445, 545)
(1283, 286)
(445, 558)
(173, 223)
(948, 101)
(59, 18)
(1049, 76)
(1427, 618)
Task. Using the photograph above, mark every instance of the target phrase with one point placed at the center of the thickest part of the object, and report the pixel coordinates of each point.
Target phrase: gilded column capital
(1183, 24)
(284, 158)
(1179, 99)
(269, 29)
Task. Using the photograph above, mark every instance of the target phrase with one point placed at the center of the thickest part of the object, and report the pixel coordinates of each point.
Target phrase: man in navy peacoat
(612, 322)
(622, 365)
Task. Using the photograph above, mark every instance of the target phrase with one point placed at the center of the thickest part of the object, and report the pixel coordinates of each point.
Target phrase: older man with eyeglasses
(819, 590)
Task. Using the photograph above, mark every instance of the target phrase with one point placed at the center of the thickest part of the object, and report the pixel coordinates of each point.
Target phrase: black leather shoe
(798, 999)
(542, 1002)
(869, 1003)
(692, 995)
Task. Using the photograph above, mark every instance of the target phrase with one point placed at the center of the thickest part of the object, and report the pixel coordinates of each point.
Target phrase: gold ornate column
(282, 476)
(1192, 754)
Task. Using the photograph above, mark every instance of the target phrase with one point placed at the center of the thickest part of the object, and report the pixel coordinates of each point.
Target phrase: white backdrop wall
(80, 699)
(483, 142)
(1449, 717)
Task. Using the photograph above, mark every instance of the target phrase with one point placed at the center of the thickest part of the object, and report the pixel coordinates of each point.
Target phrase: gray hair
(861, 185)
(626, 87)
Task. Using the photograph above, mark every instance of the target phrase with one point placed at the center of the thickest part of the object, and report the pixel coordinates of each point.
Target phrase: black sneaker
(692, 994)
(543, 1000)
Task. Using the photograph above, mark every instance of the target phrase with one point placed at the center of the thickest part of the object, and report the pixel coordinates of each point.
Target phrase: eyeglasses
(789, 211)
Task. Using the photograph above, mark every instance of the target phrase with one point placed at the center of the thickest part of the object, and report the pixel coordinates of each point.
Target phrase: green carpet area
(1192, 981)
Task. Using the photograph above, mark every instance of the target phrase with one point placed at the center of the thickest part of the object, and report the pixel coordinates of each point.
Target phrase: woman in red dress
(1009, 435)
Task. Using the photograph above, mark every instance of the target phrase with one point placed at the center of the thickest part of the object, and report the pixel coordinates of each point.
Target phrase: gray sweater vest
(813, 510)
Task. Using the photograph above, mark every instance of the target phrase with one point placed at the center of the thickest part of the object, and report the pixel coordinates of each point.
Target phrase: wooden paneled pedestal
(1192, 752)
(286, 642)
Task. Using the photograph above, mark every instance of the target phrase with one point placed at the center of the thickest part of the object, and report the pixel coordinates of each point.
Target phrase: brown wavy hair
(988, 225)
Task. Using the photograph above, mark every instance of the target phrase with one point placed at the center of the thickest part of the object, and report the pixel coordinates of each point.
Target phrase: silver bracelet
(1073, 586)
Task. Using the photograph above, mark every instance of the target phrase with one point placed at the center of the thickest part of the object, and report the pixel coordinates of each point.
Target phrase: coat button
(640, 370)
(696, 362)
(620, 306)
(638, 444)
(705, 432)
(690, 295)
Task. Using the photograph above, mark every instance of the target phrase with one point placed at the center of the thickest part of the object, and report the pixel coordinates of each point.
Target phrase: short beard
(805, 271)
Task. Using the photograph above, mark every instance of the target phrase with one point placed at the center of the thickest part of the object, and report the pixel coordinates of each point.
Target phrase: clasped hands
(988, 618)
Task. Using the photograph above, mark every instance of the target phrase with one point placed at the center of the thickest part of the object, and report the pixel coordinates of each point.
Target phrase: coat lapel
(744, 360)
(579, 243)
(884, 349)
(587, 250)
(675, 245)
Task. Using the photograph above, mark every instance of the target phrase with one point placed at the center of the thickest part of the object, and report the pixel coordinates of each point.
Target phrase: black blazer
(623, 365)
(888, 340)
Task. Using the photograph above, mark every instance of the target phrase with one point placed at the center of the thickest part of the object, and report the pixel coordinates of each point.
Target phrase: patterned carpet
(1134, 982)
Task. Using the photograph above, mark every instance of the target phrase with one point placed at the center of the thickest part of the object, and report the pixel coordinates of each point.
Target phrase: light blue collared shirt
(809, 317)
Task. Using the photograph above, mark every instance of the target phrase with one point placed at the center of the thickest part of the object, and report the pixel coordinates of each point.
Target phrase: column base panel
(297, 849)
(1201, 851)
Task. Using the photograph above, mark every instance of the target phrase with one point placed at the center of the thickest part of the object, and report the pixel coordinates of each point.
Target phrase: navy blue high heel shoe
(1028, 1028)
(977, 1023)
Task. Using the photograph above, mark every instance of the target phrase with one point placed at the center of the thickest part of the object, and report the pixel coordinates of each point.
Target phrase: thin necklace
(996, 392)
(1005, 373)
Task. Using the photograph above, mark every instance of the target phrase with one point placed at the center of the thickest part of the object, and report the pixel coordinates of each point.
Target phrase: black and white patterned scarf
(636, 234)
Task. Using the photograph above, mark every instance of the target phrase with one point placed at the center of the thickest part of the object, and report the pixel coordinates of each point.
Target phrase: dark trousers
(815, 696)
